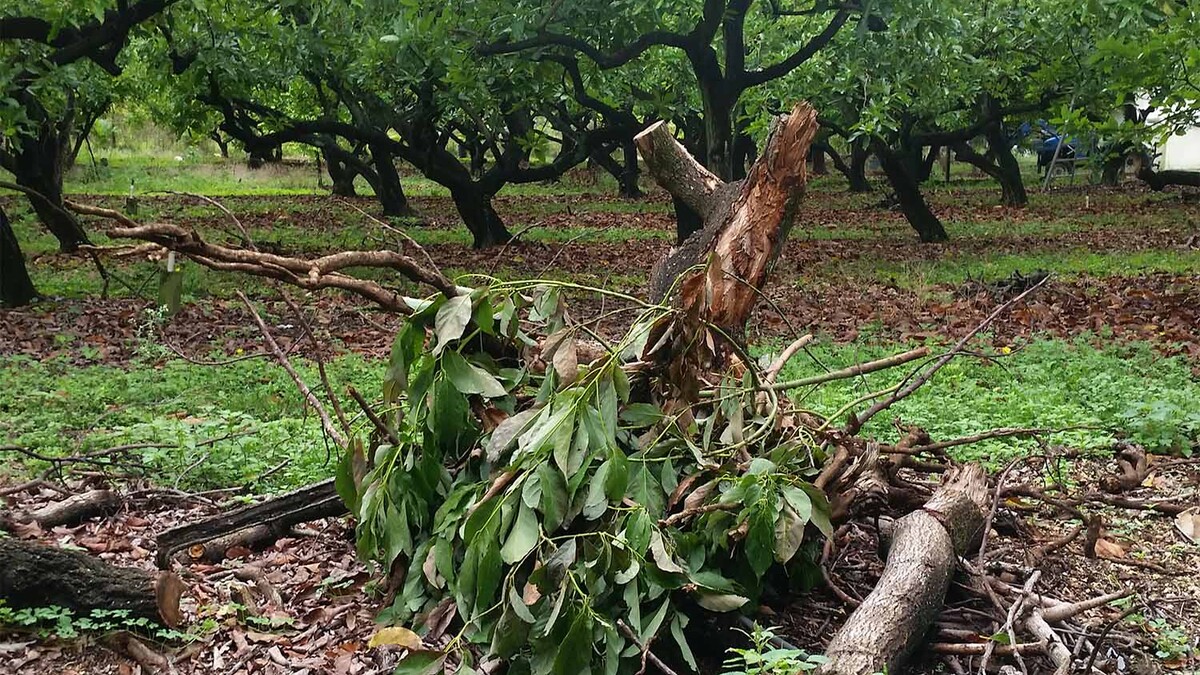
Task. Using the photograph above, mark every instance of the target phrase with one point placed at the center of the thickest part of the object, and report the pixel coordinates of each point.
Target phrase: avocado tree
(392, 82)
(727, 48)
(943, 75)
(57, 63)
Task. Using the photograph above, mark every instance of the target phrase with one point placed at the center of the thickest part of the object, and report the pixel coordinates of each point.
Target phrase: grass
(61, 409)
(1127, 390)
(1073, 263)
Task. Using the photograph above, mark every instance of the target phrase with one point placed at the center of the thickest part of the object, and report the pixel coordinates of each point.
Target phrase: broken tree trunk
(926, 544)
(251, 526)
(36, 575)
(745, 222)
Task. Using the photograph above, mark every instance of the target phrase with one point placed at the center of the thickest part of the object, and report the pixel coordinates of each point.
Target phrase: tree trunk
(1005, 171)
(1012, 186)
(745, 223)
(250, 525)
(628, 180)
(819, 167)
(1159, 180)
(388, 189)
(37, 164)
(475, 207)
(927, 164)
(687, 221)
(222, 143)
(341, 174)
(926, 544)
(16, 288)
(35, 575)
(625, 171)
(908, 192)
(859, 153)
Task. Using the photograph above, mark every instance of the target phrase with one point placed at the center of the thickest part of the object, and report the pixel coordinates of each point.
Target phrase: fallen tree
(251, 526)
(36, 575)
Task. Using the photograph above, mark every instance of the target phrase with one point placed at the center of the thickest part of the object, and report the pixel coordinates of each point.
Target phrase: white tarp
(1180, 153)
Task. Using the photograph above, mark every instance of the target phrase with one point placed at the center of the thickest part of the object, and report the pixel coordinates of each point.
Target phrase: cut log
(36, 575)
(77, 509)
(926, 544)
(252, 526)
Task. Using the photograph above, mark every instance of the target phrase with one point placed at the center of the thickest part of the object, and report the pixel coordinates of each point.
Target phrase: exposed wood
(245, 526)
(745, 222)
(881, 634)
(36, 575)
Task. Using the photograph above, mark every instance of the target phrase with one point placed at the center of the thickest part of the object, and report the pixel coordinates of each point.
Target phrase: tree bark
(885, 629)
(76, 509)
(859, 153)
(1006, 171)
(36, 575)
(925, 170)
(908, 191)
(745, 223)
(388, 189)
(341, 173)
(16, 288)
(1012, 186)
(245, 526)
(475, 207)
(819, 167)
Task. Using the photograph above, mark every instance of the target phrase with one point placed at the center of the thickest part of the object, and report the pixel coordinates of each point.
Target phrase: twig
(987, 435)
(311, 274)
(286, 363)
(852, 371)
(1014, 611)
(370, 413)
(1055, 544)
(773, 371)
(987, 523)
(647, 655)
(859, 421)
(1103, 634)
(978, 648)
(316, 355)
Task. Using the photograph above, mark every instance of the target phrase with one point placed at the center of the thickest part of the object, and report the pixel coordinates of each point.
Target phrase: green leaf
(488, 574)
(789, 533)
(820, 508)
(519, 607)
(522, 538)
(555, 501)
(469, 378)
(575, 651)
(760, 540)
(451, 320)
(507, 431)
(656, 622)
(617, 480)
(638, 415)
(637, 532)
(720, 602)
(596, 502)
(663, 559)
(678, 623)
(420, 663)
